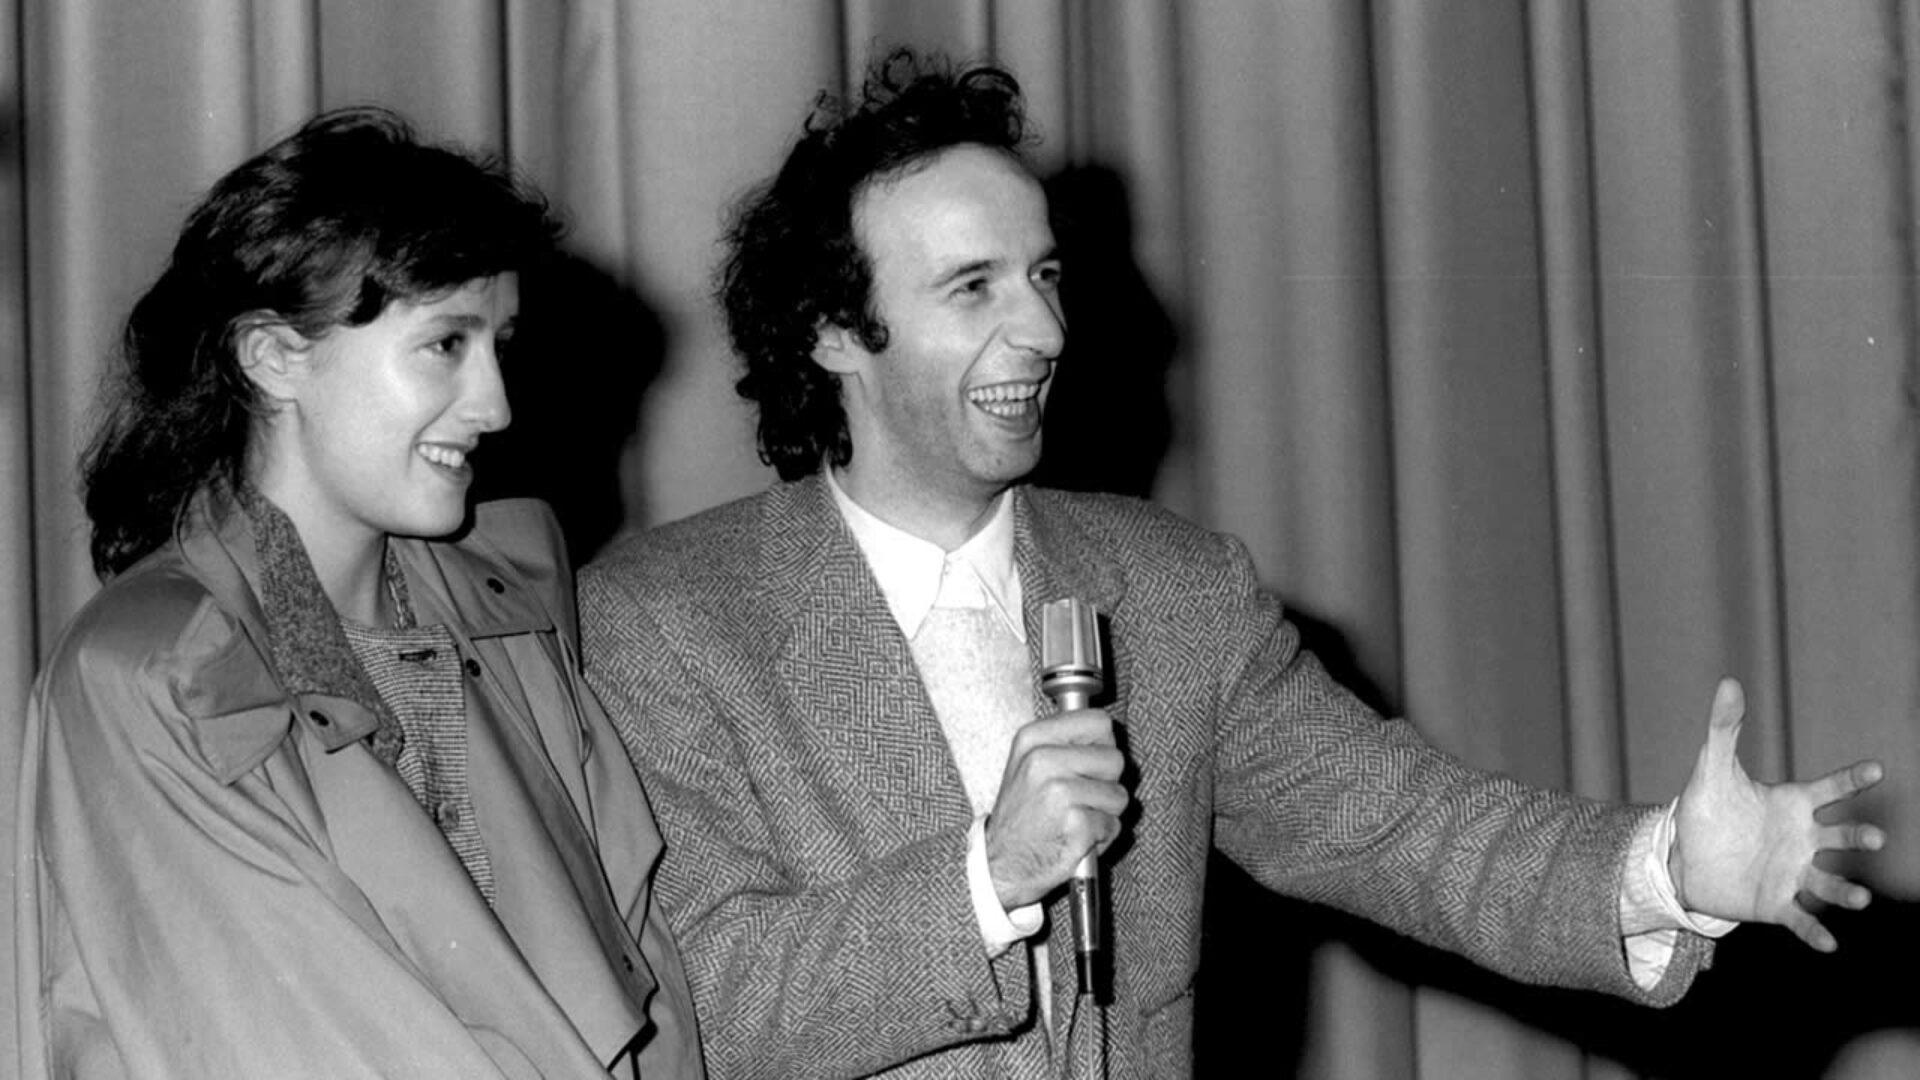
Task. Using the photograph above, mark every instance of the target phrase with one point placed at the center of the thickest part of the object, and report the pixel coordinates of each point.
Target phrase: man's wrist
(999, 927)
(1648, 899)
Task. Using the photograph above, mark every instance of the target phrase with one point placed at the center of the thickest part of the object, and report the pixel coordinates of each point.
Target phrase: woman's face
(380, 419)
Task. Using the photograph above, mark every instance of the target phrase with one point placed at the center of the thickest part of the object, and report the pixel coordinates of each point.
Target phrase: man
(870, 810)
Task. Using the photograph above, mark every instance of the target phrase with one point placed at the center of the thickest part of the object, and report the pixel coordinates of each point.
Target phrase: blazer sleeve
(1320, 798)
(800, 965)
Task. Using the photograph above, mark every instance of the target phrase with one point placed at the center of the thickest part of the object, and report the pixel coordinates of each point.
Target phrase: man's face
(966, 280)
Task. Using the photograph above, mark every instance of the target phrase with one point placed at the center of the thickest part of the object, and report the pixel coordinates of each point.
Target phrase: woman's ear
(273, 355)
(837, 350)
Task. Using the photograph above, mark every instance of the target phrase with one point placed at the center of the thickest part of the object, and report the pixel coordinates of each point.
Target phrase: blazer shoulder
(708, 547)
(1132, 529)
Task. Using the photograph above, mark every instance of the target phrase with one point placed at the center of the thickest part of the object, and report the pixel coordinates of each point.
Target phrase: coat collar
(1055, 553)
(242, 708)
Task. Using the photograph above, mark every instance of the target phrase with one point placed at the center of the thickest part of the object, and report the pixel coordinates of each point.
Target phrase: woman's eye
(1048, 275)
(449, 345)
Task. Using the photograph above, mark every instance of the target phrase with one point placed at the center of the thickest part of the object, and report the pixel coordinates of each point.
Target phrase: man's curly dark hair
(793, 264)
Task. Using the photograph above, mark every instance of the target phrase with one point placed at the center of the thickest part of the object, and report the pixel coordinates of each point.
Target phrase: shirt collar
(910, 569)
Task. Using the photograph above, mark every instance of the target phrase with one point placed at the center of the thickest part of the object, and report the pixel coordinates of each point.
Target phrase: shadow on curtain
(576, 406)
(1108, 424)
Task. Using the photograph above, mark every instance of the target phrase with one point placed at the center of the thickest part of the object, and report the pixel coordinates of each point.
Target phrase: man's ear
(836, 349)
(273, 355)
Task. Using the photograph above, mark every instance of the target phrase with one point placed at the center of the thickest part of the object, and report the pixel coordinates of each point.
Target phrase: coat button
(496, 585)
(447, 814)
(319, 718)
(964, 1016)
(473, 667)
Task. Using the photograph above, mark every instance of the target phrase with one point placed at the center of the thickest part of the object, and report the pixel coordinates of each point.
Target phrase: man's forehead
(969, 204)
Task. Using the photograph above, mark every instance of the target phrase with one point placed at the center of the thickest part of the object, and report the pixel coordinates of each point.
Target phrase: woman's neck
(354, 579)
(348, 559)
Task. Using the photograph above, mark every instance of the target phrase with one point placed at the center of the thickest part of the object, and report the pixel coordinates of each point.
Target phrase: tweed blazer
(816, 823)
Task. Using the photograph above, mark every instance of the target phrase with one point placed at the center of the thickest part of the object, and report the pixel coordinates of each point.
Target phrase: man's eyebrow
(987, 266)
(967, 269)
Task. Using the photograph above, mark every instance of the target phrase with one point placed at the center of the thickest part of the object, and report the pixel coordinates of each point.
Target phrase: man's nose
(1039, 326)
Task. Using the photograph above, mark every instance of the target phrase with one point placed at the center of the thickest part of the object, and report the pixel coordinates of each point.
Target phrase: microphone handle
(1083, 889)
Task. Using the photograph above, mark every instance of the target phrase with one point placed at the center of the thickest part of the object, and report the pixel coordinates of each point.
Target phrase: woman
(313, 787)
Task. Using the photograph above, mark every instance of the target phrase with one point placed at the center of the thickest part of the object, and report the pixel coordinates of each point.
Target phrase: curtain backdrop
(1553, 358)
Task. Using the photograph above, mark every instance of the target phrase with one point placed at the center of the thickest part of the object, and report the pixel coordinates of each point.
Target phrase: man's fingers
(1723, 731)
(1091, 820)
(1834, 889)
(1103, 797)
(1808, 929)
(1049, 815)
(1082, 727)
(1841, 783)
(1729, 708)
(1852, 836)
(1067, 762)
(1097, 828)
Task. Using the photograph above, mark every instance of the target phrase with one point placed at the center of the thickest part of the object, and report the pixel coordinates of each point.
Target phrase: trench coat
(219, 878)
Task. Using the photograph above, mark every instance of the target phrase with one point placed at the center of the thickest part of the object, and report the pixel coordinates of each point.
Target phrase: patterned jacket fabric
(816, 824)
(218, 877)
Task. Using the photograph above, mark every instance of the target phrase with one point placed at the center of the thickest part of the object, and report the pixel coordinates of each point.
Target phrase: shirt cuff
(999, 928)
(1651, 917)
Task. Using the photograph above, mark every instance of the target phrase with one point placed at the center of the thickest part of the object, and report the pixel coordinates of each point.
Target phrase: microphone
(1071, 673)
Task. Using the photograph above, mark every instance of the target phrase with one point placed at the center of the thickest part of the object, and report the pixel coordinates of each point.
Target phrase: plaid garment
(407, 675)
(416, 670)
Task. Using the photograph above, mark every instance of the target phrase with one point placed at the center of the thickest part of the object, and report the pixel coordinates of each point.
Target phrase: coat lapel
(851, 674)
(1058, 559)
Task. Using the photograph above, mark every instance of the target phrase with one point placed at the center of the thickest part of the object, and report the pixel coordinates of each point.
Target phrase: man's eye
(1048, 275)
(449, 345)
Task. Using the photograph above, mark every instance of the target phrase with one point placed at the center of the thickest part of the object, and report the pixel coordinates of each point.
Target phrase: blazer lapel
(850, 673)
(1058, 559)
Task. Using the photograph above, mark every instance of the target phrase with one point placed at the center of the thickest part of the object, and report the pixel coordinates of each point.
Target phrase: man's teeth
(1005, 399)
(443, 455)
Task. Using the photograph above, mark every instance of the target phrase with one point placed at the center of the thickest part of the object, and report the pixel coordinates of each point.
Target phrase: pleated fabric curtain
(1553, 358)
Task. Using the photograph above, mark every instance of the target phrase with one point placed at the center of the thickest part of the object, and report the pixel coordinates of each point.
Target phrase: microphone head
(1070, 659)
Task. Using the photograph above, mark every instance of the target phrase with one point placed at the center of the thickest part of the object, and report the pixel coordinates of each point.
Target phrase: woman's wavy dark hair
(793, 264)
(322, 230)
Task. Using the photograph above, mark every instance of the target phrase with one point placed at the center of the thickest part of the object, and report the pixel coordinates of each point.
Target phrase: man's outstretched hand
(1744, 850)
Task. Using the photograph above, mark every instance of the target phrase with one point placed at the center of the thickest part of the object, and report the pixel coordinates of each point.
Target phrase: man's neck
(938, 518)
